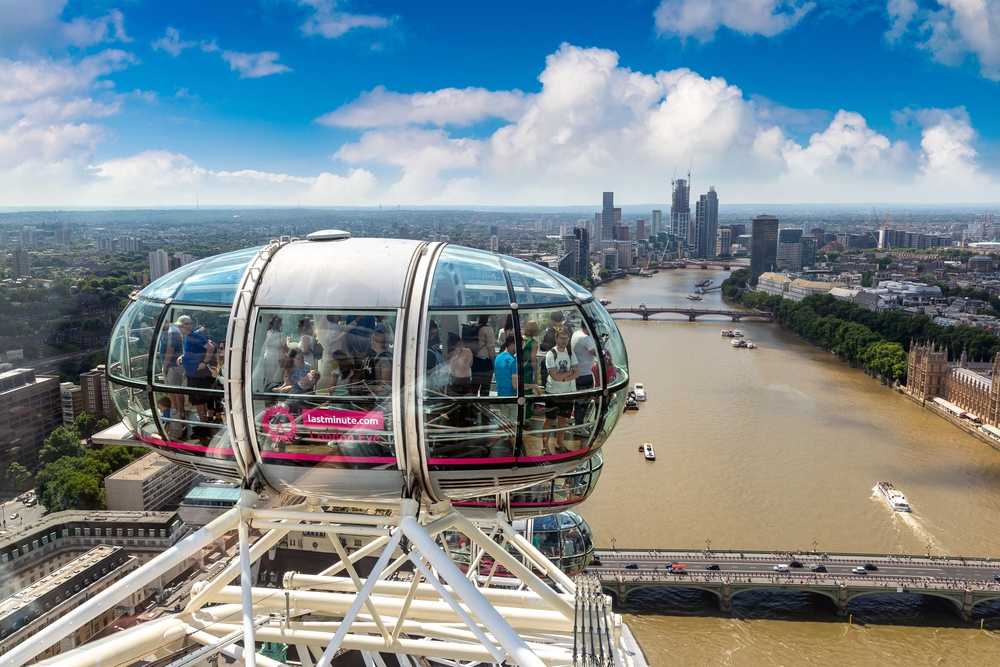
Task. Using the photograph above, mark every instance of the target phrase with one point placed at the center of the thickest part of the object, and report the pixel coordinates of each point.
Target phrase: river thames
(779, 448)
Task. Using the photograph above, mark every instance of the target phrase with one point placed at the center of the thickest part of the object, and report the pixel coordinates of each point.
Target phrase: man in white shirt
(563, 369)
(586, 353)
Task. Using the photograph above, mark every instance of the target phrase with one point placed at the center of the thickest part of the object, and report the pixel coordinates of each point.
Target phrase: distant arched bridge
(694, 313)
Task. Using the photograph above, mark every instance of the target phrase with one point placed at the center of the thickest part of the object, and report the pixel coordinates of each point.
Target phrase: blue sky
(325, 102)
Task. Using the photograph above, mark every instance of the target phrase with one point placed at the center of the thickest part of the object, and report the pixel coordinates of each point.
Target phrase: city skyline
(317, 103)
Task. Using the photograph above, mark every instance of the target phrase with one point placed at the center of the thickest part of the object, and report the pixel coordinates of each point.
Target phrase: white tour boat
(893, 496)
(737, 333)
(739, 342)
(647, 451)
(640, 392)
(727, 333)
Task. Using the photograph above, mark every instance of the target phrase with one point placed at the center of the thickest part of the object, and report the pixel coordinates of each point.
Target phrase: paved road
(26, 516)
(909, 570)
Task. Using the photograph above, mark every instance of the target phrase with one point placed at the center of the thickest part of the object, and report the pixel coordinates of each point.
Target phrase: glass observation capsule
(363, 369)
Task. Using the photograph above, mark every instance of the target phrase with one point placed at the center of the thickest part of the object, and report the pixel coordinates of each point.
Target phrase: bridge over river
(693, 313)
(963, 582)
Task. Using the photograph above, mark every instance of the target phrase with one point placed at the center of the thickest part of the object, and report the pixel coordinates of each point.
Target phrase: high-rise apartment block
(724, 244)
(22, 263)
(763, 246)
(30, 409)
(707, 223)
(583, 260)
(657, 222)
(495, 238)
(96, 398)
(159, 264)
(640, 230)
(180, 259)
(680, 212)
(130, 244)
(72, 402)
(29, 237)
(61, 236)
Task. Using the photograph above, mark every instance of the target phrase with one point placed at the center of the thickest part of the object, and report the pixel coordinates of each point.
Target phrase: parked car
(781, 568)
(859, 570)
(818, 567)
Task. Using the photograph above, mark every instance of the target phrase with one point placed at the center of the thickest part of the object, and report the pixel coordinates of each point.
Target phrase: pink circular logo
(278, 424)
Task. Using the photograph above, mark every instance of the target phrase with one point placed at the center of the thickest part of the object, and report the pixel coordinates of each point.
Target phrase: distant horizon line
(497, 208)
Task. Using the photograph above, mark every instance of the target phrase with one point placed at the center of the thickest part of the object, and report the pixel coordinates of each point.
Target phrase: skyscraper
(724, 243)
(763, 246)
(657, 222)
(640, 230)
(680, 212)
(607, 216)
(22, 263)
(495, 238)
(583, 260)
(707, 222)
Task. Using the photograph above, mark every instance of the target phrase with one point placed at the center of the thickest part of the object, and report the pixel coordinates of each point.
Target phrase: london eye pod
(363, 370)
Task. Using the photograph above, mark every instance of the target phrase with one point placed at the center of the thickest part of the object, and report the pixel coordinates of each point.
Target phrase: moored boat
(693, 297)
(893, 496)
(604, 301)
(727, 333)
(737, 333)
(647, 451)
(739, 342)
(640, 392)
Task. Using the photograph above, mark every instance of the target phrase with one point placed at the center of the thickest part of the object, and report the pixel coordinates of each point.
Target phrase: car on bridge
(781, 568)
(871, 567)
(677, 568)
(818, 567)
(713, 566)
(631, 566)
(997, 576)
(795, 563)
(859, 570)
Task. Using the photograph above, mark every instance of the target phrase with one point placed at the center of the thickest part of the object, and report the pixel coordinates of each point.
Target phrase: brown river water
(776, 448)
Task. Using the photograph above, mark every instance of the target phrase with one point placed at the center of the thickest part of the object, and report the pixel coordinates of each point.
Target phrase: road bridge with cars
(963, 582)
(692, 313)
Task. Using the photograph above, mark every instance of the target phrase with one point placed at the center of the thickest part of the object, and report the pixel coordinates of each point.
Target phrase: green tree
(16, 476)
(604, 274)
(61, 443)
(87, 424)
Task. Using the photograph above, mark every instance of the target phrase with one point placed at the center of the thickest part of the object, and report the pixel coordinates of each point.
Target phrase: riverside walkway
(964, 582)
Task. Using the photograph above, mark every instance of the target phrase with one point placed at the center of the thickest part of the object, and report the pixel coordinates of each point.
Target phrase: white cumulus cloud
(254, 65)
(448, 106)
(325, 20)
(32, 26)
(701, 18)
(172, 43)
(950, 30)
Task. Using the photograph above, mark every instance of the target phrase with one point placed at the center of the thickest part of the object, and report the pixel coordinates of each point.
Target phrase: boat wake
(911, 522)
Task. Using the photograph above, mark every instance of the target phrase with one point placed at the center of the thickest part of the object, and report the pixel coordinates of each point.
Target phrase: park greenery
(878, 342)
(71, 476)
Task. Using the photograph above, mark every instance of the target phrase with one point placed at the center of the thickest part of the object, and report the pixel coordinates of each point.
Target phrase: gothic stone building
(969, 385)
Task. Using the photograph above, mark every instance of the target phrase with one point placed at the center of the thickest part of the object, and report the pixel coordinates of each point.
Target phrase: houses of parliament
(969, 385)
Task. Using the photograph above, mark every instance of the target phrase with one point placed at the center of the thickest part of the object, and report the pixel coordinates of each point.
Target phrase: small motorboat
(704, 283)
(647, 451)
(737, 333)
(639, 391)
(751, 346)
(739, 342)
(630, 402)
(693, 297)
(604, 301)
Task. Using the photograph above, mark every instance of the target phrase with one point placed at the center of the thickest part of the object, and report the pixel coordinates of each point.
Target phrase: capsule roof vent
(328, 235)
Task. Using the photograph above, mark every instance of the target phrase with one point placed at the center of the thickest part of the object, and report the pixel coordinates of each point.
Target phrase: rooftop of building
(50, 521)
(141, 469)
(52, 581)
(774, 277)
(21, 377)
(204, 494)
(815, 284)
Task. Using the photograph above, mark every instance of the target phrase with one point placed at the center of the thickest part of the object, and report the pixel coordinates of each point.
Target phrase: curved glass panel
(128, 349)
(534, 284)
(465, 277)
(163, 288)
(215, 280)
(322, 385)
(610, 344)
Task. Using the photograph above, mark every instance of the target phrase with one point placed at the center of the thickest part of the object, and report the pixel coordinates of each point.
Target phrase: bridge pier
(967, 605)
(842, 601)
(726, 599)
(622, 594)
(645, 317)
(736, 318)
(692, 317)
